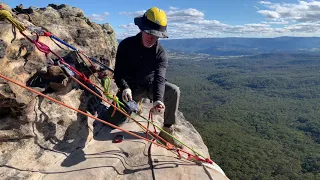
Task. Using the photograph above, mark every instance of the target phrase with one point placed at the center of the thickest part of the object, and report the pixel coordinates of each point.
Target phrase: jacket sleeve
(159, 76)
(120, 67)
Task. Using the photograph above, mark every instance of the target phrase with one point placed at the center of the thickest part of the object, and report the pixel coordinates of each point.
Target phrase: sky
(203, 18)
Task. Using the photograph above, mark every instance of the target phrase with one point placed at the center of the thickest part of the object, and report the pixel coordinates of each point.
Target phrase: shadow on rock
(75, 138)
(50, 83)
(102, 132)
(74, 158)
(109, 115)
(44, 126)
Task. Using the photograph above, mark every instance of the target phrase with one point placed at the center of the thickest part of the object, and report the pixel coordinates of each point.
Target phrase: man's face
(148, 40)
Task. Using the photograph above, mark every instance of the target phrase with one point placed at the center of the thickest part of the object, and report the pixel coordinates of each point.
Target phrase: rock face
(40, 139)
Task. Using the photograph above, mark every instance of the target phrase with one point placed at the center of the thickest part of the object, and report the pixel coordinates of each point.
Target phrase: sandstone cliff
(43, 140)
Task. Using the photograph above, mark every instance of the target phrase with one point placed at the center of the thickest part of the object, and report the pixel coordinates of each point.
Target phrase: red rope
(46, 50)
(77, 110)
(168, 145)
(151, 119)
(48, 34)
(39, 45)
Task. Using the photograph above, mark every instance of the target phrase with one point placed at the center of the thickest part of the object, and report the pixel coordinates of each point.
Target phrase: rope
(57, 44)
(14, 32)
(106, 86)
(169, 146)
(42, 27)
(45, 49)
(107, 93)
(6, 15)
(89, 60)
(77, 110)
(172, 136)
(114, 98)
(118, 102)
(48, 34)
(75, 49)
(40, 46)
(84, 62)
(151, 162)
(151, 119)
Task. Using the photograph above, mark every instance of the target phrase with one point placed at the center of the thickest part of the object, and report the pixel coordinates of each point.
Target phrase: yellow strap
(4, 14)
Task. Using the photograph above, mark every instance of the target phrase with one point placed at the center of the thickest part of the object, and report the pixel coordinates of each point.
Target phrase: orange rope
(169, 146)
(79, 111)
(45, 49)
(114, 110)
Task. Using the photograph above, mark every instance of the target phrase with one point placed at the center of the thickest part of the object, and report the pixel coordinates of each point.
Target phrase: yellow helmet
(154, 21)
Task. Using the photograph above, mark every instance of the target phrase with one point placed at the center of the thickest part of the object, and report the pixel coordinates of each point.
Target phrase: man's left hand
(158, 108)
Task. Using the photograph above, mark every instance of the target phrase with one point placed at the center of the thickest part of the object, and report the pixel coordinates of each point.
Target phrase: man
(140, 70)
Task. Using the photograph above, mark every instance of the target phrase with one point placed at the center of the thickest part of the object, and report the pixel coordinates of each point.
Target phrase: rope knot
(41, 46)
(4, 14)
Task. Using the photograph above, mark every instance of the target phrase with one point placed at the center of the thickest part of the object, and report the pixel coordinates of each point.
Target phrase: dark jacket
(138, 66)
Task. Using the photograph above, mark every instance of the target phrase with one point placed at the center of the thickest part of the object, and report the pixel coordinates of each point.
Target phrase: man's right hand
(127, 95)
(158, 108)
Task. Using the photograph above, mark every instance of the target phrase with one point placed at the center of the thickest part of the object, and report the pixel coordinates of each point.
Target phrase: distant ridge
(232, 46)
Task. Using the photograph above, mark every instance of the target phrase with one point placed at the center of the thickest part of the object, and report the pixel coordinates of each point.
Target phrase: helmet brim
(140, 22)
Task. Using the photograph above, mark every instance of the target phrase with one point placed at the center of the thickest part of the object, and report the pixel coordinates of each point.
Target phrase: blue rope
(62, 42)
(73, 48)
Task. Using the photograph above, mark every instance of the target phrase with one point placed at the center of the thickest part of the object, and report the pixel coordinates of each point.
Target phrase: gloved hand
(158, 108)
(127, 95)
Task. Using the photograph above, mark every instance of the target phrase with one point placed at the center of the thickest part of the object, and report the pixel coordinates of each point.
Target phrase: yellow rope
(4, 14)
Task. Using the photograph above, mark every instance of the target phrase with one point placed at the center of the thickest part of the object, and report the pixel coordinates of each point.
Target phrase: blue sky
(204, 18)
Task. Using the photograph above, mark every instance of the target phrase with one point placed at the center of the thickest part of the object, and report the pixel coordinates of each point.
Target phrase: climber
(140, 71)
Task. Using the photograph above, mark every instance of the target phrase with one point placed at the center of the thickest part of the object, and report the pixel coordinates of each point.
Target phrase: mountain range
(233, 46)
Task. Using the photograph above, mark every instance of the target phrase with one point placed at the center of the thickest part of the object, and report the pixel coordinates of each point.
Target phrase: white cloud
(265, 2)
(186, 12)
(173, 8)
(99, 17)
(275, 22)
(302, 11)
(269, 14)
(299, 19)
(129, 30)
(133, 14)
(185, 15)
(304, 28)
